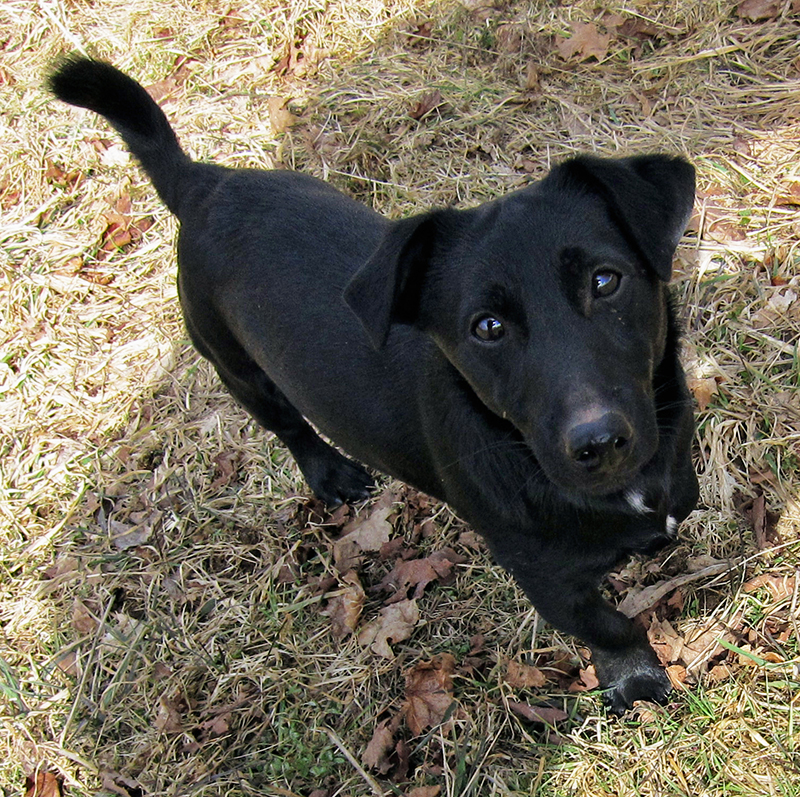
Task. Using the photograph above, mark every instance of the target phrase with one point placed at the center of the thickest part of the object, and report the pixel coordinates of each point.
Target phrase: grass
(164, 579)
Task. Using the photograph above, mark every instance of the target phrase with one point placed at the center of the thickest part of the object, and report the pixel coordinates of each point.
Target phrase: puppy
(518, 360)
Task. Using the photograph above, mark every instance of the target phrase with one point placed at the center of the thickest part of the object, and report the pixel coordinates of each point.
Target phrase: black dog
(518, 360)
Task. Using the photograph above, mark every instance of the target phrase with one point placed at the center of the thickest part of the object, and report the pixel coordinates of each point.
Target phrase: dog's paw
(336, 480)
(652, 686)
(631, 675)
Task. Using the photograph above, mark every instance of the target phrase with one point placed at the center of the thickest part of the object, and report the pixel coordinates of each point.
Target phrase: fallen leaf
(168, 719)
(281, 118)
(289, 61)
(226, 468)
(379, 747)
(762, 521)
(532, 83)
(421, 34)
(83, 620)
(55, 175)
(43, 784)
(362, 535)
(394, 623)
(218, 726)
(472, 540)
(161, 671)
(790, 195)
(68, 663)
(116, 783)
(509, 38)
(701, 644)
(125, 536)
(162, 89)
(719, 673)
(120, 230)
(345, 607)
(677, 676)
(524, 676)
(666, 641)
(586, 682)
(403, 752)
(100, 145)
(429, 692)
(585, 42)
(782, 300)
(703, 390)
(542, 714)
(426, 103)
(636, 602)
(9, 197)
(780, 587)
(418, 573)
(65, 565)
(425, 791)
(757, 10)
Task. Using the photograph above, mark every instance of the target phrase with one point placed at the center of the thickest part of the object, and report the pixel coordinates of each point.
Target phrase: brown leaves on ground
(641, 600)
(780, 587)
(117, 783)
(181, 70)
(394, 624)
(692, 650)
(121, 230)
(281, 118)
(524, 676)
(365, 540)
(758, 10)
(703, 389)
(364, 535)
(57, 175)
(382, 743)
(429, 700)
(345, 606)
(687, 656)
(418, 573)
(226, 466)
(429, 692)
(425, 104)
(762, 521)
(585, 42)
(589, 40)
(169, 718)
(43, 784)
(546, 715)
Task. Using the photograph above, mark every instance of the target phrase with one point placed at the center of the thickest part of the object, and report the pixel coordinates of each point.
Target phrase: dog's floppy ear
(650, 197)
(386, 288)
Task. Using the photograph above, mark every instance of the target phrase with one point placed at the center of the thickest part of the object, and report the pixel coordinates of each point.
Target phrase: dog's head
(551, 303)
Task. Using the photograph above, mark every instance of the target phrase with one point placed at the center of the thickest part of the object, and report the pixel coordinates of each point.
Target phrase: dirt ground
(177, 616)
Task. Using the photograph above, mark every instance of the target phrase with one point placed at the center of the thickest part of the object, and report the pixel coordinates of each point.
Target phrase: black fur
(518, 360)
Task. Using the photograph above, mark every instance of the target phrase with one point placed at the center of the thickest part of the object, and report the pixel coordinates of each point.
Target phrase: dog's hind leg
(333, 478)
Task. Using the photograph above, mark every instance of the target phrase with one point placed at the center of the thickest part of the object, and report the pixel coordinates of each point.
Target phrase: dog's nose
(602, 444)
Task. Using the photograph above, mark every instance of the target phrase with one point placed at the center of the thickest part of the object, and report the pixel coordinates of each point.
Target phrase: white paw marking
(672, 526)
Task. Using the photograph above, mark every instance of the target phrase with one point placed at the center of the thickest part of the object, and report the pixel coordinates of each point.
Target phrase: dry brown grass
(162, 587)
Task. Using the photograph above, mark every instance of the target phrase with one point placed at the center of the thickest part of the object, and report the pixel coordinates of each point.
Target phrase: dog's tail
(132, 112)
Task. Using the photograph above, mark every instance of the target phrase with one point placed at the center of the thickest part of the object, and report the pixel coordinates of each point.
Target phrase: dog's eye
(488, 328)
(604, 283)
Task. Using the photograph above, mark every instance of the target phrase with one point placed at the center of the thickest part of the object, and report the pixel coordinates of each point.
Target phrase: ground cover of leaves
(177, 617)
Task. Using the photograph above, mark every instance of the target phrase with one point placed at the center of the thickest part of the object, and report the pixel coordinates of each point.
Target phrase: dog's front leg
(563, 586)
